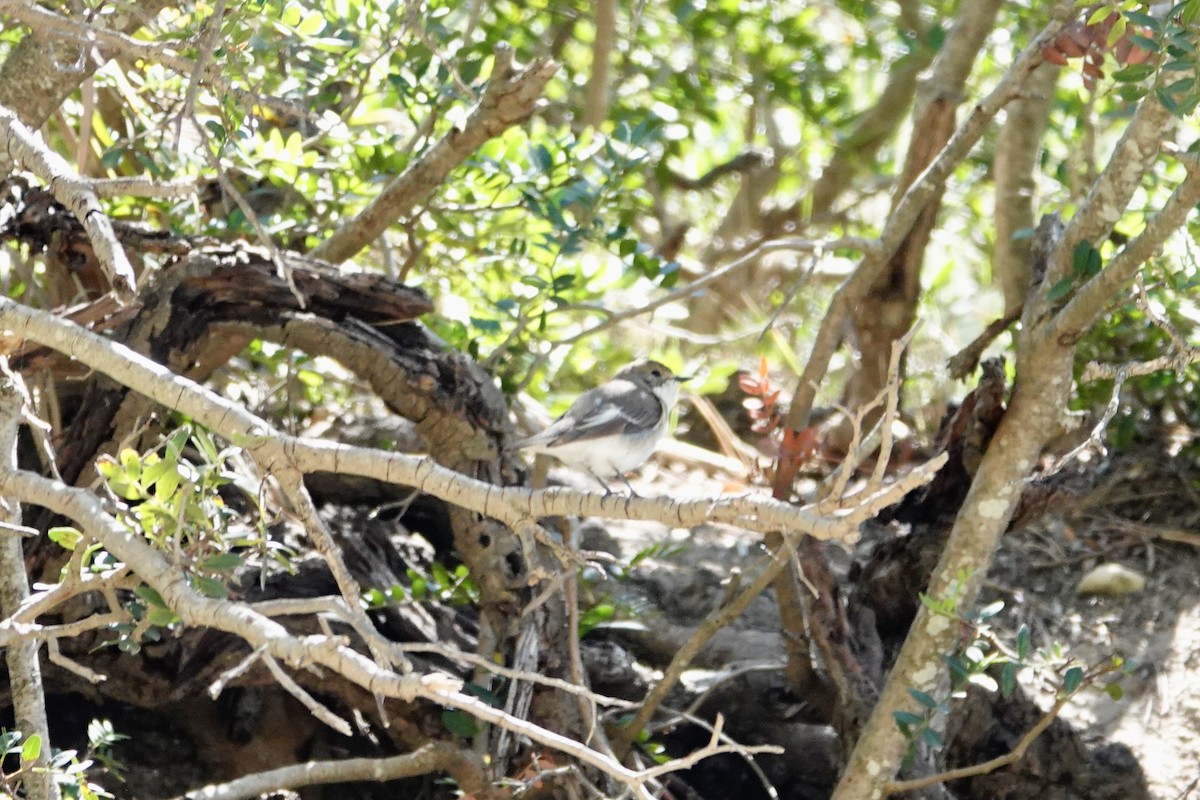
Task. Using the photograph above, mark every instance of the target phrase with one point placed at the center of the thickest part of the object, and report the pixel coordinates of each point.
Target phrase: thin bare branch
(724, 615)
(433, 757)
(1008, 759)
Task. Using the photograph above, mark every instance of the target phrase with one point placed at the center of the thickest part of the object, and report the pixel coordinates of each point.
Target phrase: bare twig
(307, 700)
(745, 161)
(1096, 437)
(803, 245)
(433, 757)
(276, 452)
(209, 39)
(964, 362)
(724, 615)
(1009, 758)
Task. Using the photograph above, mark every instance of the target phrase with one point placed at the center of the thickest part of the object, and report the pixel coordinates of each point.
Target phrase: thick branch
(1018, 148)
(24, 671)
(908, 209)
(1089, 301)
(1110, 194)
(33, 82)
(273, 450)
(595, 106)
(508, 100)
(27, 149)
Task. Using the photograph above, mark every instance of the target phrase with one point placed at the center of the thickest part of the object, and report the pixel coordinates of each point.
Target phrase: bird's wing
(608, 410)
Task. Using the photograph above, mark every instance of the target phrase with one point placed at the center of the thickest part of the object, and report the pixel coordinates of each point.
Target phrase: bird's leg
(607, 489)
(632, 492)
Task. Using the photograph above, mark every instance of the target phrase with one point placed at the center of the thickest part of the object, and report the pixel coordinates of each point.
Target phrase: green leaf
(596, 615)
(162, 616)
(1008, 678)
(217, 130)
(1023, 642)
(1118, 30)
(150, 597)
(486, 695)
(1141, 18)
(990, 610)
(1072, 680)
(907, 720)
(312, 24)
(923, 698)
(209, 587)
(31, 749)
(933, 739)
(1134, 73)
(460, 723)
(1190, 12)
(9, 742)
(1060, 289)
(166, 486)
(222, 562)
(65, 537)
(112, 157)
(1145, 42)
(1080, 256)
(1114, 691)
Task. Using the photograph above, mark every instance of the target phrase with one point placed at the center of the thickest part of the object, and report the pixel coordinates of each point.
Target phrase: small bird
(613, 428)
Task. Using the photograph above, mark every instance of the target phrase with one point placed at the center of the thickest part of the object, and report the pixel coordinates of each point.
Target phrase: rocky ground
(1136, 515)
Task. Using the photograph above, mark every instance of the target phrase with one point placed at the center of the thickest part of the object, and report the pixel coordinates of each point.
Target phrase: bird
(613, 428)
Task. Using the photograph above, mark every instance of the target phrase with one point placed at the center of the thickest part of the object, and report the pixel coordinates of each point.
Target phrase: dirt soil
(1140, 511)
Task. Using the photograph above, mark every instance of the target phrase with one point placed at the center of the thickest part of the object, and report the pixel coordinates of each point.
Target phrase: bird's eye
(656, 373)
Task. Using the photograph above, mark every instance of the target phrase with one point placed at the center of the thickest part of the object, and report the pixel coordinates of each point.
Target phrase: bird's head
(654, 376)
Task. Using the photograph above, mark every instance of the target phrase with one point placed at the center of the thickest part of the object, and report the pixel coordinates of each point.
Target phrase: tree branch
(33, 82)
(24, 670)
(278, 453)
(463, 765)
(508, 100)
(595, 104)
(27, 149)
(44, 21)
(1111, 192)
(1090, 299)
(923, 189)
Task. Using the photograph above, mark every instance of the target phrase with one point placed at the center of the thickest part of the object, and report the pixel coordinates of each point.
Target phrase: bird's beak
(683, 378)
